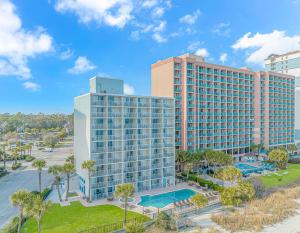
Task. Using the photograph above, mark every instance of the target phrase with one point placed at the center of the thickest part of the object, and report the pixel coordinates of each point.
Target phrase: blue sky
(50, 48)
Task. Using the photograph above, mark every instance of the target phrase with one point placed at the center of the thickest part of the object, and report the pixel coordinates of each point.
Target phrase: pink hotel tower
(225, 108)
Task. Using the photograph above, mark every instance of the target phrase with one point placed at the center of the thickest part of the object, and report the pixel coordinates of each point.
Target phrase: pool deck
(134, 206)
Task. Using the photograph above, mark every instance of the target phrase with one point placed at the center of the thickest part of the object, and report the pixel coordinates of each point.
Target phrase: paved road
(26, 179)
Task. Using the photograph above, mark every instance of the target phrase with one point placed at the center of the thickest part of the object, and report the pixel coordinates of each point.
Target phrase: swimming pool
(164, 199)
(244, 166)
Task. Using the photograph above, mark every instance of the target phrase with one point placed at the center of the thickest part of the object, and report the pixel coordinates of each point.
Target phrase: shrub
(45, 193)
(134, 227)
(202, 182)
(29, 158)
(294, 160)
(164, 221)
(15, 166)
(234, 196)
(258, 213)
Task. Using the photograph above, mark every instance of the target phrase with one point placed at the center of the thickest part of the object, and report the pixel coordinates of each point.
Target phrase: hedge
(45, 193)
(15, 166)
(203, 182)
(29, 158)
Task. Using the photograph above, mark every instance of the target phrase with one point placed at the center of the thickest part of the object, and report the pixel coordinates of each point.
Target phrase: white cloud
(18, 44)
(158, 12)
(190, 18)
(159, 38)
(223, 57)
(65, 55)
(149, 3)
(202, 52)
(31, 86)
(157, 35)
(128, 90)
(194, 45)
(135, 35)
(260, 46)
(223, 29)
(82, 64)
(110, 12)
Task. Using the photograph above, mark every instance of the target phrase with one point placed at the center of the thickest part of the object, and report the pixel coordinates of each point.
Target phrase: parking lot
(27, 178)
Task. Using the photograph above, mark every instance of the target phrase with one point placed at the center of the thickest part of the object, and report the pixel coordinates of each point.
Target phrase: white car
(48, 150)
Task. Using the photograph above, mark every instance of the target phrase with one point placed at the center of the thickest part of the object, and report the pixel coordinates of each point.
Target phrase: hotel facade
(130, 138)
(225, 108)
(288, 63)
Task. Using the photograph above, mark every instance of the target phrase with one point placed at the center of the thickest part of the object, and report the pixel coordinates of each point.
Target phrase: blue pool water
(244, 166)
(247, 169)
(162, 200)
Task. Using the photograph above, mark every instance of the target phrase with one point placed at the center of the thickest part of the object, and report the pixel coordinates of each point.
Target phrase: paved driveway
(26, 179)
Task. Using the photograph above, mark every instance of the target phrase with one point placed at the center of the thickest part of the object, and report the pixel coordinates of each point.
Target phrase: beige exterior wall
(162, 81)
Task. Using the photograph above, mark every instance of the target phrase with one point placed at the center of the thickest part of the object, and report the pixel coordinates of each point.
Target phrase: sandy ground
(290, 225)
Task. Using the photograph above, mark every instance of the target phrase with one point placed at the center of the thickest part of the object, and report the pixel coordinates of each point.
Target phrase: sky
(49, 49)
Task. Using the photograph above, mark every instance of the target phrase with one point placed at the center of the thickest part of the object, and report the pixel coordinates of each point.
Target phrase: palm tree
(39, 164)
(292, 148)
(15, 155)
(70, 159)
(30, 146)
(38, 208)
(3, 152)
(88, 165)
(68, 169)
(56, 170)
(21, 200)
(124, 191)
(181, 158)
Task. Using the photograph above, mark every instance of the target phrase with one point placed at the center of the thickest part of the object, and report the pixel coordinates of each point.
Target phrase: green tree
(164, 221)
(134, 227)
(254, 148)
(50, 140)
(70, 159)
(292, 148)
(231, 174)
(56, 171)
(3, 155)
(88, 165)
(39, 164)
(235, 195)
(124, 191)
(181, 158)
(68, 169)
(279, 157)
(21, 199)
(199, 200)
(37, 209)
(15, 155)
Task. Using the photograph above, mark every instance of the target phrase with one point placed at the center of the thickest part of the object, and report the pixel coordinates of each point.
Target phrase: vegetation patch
(282, 177)
(76, 217)
(203, 182)
(15, 166)
(261, 212)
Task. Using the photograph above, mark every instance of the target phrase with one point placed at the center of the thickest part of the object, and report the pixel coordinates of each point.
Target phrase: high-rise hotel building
(131, 139)
(275, 109)
(288, 63)
(215, 105)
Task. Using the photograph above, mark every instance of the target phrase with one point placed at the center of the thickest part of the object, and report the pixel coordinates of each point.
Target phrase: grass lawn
(76, 217)
(288, 176)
